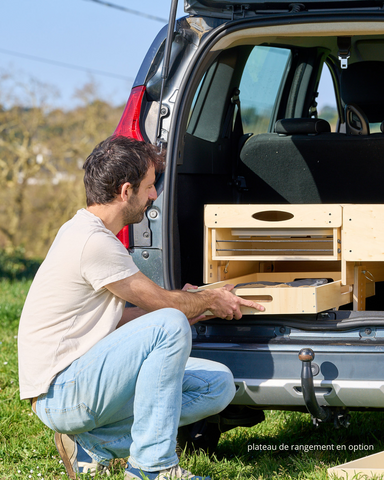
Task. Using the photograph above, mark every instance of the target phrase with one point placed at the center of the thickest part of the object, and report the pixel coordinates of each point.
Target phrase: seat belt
(344, 46)
(228, 122)
(234, 131)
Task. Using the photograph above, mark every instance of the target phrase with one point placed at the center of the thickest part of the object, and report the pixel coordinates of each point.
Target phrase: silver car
(231, 90)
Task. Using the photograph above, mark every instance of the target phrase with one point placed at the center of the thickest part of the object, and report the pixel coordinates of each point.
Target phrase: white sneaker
(75, 458)
(172, 473)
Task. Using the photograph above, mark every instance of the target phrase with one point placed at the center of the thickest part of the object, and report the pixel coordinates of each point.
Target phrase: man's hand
(227, 305)
(223, 308)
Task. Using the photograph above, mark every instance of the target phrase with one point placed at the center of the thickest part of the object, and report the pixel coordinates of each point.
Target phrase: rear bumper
(275, 393)
(347, 374)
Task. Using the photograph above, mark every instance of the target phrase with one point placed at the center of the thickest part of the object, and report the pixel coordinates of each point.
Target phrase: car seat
(361, 90)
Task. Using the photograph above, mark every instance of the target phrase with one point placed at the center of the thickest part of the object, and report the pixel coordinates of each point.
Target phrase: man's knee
(174, 322)
(216, 380)
(226, 387)
(176, 319)
(223, 388)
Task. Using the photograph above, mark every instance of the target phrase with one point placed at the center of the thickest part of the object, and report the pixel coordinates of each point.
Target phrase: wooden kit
(343, 244)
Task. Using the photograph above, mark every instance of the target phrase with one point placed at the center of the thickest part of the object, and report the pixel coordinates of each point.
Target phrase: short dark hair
(115, 161)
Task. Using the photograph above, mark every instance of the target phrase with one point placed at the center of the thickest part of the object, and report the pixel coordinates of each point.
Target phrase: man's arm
(141, 291)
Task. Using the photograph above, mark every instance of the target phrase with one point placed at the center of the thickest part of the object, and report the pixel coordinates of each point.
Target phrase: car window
(326, 100)
(260, 87)
(210, 100)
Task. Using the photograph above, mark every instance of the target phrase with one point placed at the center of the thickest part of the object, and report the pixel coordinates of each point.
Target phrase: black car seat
(361, 90)
(312, 166)
(303, 162)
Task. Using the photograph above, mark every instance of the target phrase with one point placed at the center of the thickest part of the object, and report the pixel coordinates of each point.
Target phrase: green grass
(274, 449)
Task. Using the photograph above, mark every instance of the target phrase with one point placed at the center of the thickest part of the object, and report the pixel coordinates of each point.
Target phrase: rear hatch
(204, 156)
(229, 8)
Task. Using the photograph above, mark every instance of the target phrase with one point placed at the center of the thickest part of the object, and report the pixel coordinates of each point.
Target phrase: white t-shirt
(68, 309)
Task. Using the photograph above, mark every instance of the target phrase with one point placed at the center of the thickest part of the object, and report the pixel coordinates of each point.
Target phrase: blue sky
(80, 33)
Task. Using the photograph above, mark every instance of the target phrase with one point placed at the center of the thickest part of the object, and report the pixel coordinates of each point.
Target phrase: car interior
(254, 134)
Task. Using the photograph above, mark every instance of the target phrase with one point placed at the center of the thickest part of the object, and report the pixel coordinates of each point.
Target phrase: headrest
(362, 84)
(304, 126)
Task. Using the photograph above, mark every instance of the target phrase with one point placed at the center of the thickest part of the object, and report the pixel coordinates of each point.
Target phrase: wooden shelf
(342, 243)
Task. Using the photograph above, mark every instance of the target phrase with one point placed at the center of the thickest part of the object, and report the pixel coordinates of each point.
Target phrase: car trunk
(211, 169)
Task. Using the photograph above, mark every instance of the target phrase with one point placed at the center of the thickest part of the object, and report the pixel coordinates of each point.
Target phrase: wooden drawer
(286, 299)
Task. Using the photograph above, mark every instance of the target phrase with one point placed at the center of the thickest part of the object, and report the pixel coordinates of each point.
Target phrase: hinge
(162, 134)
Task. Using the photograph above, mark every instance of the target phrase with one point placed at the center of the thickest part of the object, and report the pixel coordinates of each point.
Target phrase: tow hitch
(339, 416)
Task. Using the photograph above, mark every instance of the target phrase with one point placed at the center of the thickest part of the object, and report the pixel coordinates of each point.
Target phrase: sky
(80, 33)
(38, 35)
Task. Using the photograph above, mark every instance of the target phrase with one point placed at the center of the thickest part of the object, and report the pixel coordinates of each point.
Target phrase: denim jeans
(129, 393)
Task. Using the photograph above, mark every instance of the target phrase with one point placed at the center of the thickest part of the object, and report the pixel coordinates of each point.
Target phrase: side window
(210, 102)
(261, 85)
(326, 100)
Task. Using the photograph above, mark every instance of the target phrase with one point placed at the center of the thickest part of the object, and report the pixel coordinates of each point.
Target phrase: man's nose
(153, 194)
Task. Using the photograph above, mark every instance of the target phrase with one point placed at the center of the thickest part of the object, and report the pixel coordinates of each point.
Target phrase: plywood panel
(298, 216)
(363, 233)
(371, 466)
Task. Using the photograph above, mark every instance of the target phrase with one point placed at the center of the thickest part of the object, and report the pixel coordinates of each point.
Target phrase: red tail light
(123, 236)
(129, 125)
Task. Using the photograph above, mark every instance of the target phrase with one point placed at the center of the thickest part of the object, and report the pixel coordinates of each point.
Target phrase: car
(231, 91)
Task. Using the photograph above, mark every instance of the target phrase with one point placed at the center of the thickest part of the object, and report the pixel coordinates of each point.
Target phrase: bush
(15, 266)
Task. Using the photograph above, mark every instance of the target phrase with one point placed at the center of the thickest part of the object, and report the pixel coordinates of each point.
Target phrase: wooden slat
(359, 293)
(242, 216)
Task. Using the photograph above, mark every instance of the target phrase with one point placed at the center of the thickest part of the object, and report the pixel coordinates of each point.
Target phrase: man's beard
(134, 213)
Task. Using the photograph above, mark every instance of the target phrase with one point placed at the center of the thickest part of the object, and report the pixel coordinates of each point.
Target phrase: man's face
(140, 201)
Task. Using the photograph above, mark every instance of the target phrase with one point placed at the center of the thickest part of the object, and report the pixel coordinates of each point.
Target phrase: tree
(42, 151)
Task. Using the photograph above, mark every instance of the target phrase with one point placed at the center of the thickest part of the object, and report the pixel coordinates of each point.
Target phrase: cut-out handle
(259, 298)
(273, 216)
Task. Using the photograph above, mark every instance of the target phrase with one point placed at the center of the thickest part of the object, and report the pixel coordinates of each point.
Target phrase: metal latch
(239, 11)
(235, 99)
(141, 235)
(344, 46)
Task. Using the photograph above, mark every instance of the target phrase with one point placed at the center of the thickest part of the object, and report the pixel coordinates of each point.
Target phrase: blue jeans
(129, 393)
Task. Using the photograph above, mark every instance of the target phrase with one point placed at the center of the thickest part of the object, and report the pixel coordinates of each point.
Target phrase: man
(114, 381)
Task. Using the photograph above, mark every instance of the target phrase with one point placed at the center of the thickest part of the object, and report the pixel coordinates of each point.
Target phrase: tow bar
(339, 417)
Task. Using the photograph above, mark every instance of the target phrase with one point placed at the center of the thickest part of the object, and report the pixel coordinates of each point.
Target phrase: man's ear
(126, 191)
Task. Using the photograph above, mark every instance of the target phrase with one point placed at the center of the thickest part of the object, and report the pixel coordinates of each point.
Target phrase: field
(285, 446)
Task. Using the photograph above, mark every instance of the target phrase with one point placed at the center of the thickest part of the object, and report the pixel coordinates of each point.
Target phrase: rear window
(261, 83)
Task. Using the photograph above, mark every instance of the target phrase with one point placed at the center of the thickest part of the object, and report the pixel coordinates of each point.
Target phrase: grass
(285, 446)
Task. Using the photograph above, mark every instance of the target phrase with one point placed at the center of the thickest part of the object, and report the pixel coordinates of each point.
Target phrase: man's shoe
(172, 473)
(75, 459)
